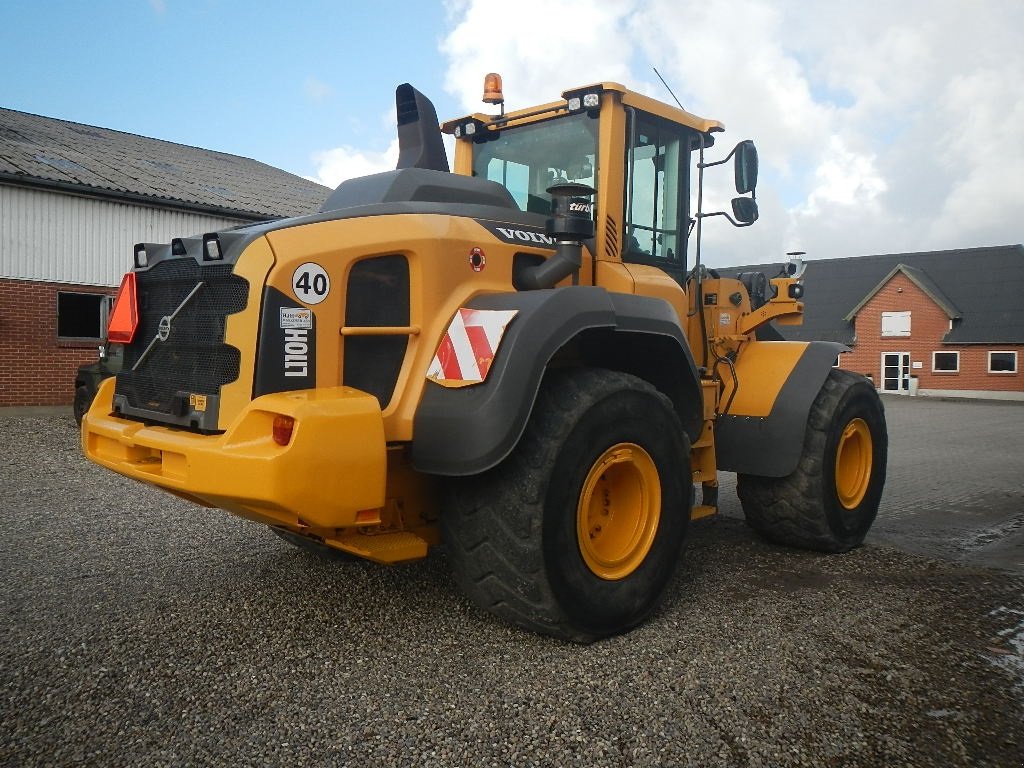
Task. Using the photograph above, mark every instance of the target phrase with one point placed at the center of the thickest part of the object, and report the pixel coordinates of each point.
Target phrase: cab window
(656, 186)
(528, 159)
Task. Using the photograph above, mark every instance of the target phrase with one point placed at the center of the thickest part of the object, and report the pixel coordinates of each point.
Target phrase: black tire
(83, 399)
(518, 536)
(817, 507)
(313, 546)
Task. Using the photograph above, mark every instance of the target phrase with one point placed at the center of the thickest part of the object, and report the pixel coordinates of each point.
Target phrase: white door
(896, 372)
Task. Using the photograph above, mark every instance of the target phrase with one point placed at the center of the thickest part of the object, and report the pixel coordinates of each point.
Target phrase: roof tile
(985, 285)
(45, 150)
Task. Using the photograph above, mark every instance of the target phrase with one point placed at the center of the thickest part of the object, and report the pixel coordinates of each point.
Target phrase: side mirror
(744, 210)
(746, 167)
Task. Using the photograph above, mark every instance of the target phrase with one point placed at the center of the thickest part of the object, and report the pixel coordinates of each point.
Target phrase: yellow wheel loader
(513, 358)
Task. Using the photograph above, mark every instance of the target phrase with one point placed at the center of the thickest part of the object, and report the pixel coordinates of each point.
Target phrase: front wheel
(831, 499)
(577, 533)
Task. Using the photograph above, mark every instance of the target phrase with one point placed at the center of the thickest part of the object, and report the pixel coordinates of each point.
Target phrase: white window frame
(1002, 352)
(901, 321)
(946, 352)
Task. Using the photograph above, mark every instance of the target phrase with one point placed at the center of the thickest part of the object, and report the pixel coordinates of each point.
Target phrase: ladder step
(386, 548)
(702, 510)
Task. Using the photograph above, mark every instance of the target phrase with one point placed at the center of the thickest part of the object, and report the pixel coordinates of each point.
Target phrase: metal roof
(84, 159)
(980, 289)
(919, 278)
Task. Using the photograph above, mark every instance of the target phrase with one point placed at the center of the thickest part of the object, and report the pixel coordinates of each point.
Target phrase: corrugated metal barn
(74, 199)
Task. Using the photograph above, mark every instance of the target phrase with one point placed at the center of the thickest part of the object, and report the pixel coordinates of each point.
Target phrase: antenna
(667, 88)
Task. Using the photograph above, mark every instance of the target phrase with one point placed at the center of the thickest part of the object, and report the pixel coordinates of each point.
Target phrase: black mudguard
(468, 430)
(770, 446)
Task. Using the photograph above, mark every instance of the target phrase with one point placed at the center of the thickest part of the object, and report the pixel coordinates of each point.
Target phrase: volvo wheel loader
(513, 358)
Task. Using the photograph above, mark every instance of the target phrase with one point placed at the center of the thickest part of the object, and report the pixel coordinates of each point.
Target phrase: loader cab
(635, 151)
(656, 195)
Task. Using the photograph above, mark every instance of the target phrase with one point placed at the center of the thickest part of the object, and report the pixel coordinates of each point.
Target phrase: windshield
(528, 159)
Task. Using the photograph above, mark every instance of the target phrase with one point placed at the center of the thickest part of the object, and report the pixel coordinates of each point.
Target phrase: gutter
(84, 190)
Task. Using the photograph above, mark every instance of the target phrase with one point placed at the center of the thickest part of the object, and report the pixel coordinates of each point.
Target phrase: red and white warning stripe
(467, 350)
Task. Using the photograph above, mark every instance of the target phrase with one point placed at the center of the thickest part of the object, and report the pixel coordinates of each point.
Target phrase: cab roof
(627, 97)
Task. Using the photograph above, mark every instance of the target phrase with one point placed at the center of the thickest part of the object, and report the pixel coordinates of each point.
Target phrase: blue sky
(882, 127)
(275, 82)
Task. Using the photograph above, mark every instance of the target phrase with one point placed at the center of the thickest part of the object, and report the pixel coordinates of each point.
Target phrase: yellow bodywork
(333, 467)
(345, 478)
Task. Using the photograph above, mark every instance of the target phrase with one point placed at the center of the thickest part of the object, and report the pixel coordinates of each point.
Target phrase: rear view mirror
(746, 168)
(744, 210)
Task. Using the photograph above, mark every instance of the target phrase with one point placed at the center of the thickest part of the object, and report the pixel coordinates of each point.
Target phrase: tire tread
(789, 510)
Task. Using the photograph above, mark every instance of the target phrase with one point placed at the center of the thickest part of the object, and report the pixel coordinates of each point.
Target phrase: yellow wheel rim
(853, 463)
(618, 512)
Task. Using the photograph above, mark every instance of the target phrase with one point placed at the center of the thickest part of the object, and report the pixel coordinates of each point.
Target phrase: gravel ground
(141, 630)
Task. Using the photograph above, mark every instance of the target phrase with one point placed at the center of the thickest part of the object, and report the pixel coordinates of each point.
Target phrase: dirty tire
(815, 507)
(83, 399)
(313, 546)
(519, 536)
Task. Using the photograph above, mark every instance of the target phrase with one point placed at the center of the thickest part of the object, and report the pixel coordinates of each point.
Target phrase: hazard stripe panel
(467, 350)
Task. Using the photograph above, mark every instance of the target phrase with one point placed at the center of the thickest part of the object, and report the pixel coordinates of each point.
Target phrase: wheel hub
(618, 512)
(853, 463)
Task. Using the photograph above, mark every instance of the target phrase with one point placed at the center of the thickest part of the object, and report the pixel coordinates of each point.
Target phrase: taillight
(124, 317)
(282, 429)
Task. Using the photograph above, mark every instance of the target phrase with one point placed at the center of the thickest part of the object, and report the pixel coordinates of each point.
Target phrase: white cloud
(334, 166)
(540, 48)
(843, 178)
(317, 91)
(882, 127)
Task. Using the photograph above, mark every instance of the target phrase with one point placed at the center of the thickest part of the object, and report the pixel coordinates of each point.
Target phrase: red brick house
(940, 323)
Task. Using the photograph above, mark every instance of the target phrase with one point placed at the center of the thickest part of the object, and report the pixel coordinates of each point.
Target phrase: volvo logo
(163, 328)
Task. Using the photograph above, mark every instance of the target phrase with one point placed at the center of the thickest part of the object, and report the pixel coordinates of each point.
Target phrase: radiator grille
(378, 295)
(193, 358)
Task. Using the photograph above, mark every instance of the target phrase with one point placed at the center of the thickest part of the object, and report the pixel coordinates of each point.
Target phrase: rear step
(386, 548)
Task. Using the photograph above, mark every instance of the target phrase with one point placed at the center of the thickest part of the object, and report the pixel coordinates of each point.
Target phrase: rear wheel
(577, 533)
(831, 499)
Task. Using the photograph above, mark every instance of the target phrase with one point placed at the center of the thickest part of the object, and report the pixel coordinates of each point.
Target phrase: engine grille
(378, 295)
(193, 358)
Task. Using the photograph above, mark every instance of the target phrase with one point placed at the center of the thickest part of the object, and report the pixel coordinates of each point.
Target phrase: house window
(1002, 362)
(895, 323)
(946, 362)
(82, 316)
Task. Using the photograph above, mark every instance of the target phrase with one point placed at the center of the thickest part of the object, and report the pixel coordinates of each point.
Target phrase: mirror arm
(727, 216)
(723, 161)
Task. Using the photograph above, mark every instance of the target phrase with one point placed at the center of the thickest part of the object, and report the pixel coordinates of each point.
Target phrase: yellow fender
(768, 392)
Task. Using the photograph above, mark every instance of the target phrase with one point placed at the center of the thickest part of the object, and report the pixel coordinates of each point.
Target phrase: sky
(882, 127)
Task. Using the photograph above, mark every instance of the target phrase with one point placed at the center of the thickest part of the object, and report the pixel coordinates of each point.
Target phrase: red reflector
(283, 426)
(124, 317)
(368, 517)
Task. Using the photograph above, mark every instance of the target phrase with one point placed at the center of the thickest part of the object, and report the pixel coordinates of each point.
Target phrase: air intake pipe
(571, 222)
(419, 138)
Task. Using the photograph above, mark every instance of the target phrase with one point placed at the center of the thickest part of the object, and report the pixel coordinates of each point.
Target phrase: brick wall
(36, 368)
(929, 324)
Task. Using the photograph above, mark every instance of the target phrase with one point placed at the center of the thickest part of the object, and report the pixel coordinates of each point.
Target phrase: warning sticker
(467, 350)
(293, 317)
(197, 402)
(724, 319)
